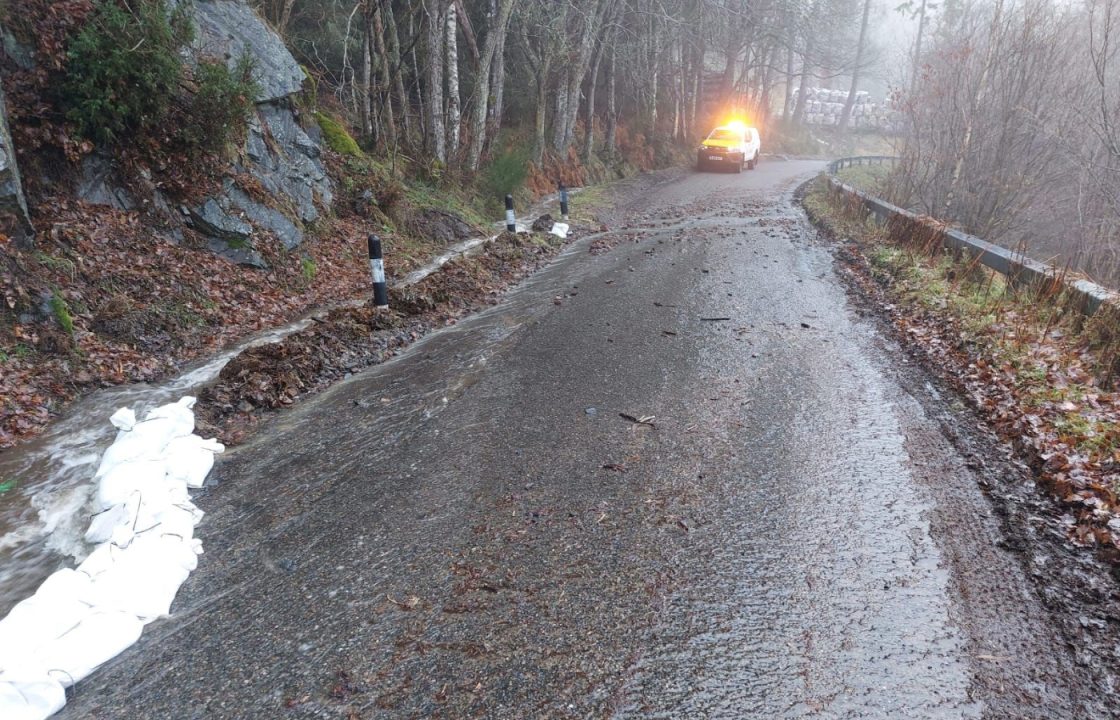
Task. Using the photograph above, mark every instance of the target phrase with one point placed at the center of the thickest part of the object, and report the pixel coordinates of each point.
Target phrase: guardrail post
(511, 219)
(377, 269)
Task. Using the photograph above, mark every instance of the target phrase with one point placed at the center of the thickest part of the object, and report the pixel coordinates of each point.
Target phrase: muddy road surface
(681, 478)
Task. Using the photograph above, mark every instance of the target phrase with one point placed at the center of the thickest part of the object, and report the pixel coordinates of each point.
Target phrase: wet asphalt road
(791, 537)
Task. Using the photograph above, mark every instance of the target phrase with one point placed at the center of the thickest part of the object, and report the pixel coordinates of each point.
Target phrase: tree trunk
(678, 88)
(918, 50)
(799, 111)
(589, 139)
(498, 83)
(846, 114)
(437, 136)
(560, 116)
(454, 116)
(385, 73)
(285, 17)
(787, 100)
(767, 83)
(421, 99)
(540, 123)
(612, 108)
(654, 80)
(697, 84)
(500, 15)
(974, 102)
(397, 65)
(366, 94)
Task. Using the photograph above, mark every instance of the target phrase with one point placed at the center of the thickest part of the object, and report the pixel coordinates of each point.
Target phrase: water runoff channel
(43, 519)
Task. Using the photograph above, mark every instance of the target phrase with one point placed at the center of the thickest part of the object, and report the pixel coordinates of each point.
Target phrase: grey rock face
(228, 29)
(291, 165)
(216, 222)
(278, 152)
(229, 235)
(19, 53)
(266, 218)
(96, 185)
(12, 201)
(238, 255)
(286, 162)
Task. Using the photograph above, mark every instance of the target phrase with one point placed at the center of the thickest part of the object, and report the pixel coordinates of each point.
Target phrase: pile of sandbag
(824, 107)
(143, 529)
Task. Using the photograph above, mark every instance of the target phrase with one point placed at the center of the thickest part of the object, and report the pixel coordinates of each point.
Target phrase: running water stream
(43, 518)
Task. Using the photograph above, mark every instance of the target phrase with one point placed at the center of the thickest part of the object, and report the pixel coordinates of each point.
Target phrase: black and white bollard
(377, 268)
(511, 219)
(563, 203)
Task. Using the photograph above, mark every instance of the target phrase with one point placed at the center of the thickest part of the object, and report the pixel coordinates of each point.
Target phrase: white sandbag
(190, 459)
(130, 479)
(123, 419)
(560, 230)
(35, 621)
(179, 521)
(96, 639)
(143, 593)
(179, 413)
(101, 559)
(155, 502)
(144, 577)
(63, 584)
(147, 439)
(115, 525)
(30, 698)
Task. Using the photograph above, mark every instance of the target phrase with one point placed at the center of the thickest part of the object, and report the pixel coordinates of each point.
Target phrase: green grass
(337, 137)
(869, 178)
(62, 312)
(7, 486)
(424, 195)
(308, 269)
(19, 351)
(60, 265)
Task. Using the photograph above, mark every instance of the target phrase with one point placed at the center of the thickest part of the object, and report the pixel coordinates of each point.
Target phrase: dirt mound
(438, 225)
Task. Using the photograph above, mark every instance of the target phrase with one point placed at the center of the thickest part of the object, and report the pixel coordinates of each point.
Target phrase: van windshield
(725, 134)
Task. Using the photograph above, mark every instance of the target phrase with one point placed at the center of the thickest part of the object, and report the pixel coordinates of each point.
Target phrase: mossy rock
(336, 136)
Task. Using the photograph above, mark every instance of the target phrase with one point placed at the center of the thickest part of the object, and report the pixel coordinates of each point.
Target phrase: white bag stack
(143, 527)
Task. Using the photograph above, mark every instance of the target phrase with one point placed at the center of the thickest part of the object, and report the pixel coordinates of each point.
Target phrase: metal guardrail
(837, 165)
(1019, 269)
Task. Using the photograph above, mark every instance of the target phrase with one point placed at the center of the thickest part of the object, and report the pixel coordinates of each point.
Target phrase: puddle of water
(44, 518)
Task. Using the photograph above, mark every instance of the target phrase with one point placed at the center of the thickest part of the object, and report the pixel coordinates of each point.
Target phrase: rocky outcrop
(228, 30)
(12, 203)
(279, 154)
(97, 187)
(284, 158)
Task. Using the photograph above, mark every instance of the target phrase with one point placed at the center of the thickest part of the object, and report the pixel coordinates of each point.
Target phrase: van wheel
(752, 163)
(739, 167)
